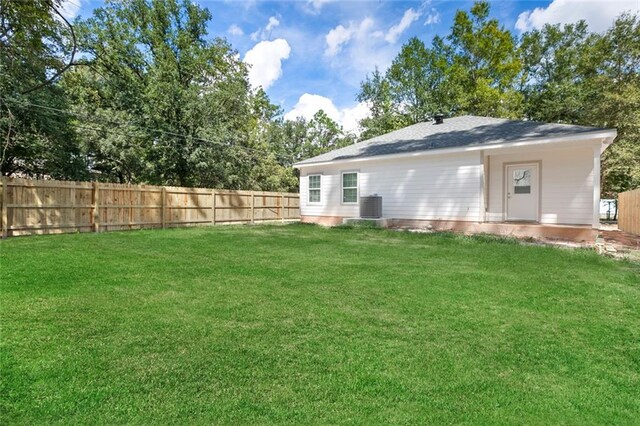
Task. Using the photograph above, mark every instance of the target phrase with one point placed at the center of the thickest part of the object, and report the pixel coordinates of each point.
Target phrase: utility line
(60, 112)
(104, 120)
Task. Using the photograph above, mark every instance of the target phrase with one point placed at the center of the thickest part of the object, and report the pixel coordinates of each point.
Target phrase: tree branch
(67, 66)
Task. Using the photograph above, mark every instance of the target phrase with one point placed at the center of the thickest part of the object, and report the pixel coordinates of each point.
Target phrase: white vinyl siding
(450, 186)
(566, 184)
(439, 187)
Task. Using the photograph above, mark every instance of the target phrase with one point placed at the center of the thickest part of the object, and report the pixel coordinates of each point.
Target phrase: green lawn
(300, 324)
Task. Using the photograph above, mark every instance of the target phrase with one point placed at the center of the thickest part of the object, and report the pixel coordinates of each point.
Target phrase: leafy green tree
(36, 46)
(151, 66)
(613, 100)
(484, 65)
(385, 111)
(417, 81)
(295, 140)
(113, 143)
(271, 170)
(554, 71)
(325, 135)
(290, 138)
(574, 76)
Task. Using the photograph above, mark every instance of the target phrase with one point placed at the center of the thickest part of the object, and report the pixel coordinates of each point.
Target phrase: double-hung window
(350, 187)
(314, 188)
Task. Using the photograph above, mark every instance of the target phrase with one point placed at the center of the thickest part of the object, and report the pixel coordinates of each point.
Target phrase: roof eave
(607, 136)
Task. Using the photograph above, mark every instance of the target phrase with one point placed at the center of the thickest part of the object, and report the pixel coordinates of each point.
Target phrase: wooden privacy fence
(49, 206)
(629, 211)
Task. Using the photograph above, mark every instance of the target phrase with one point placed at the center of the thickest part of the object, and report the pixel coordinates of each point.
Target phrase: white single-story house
(467, 173)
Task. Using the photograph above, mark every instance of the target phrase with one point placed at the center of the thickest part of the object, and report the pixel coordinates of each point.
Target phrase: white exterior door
(522, 192)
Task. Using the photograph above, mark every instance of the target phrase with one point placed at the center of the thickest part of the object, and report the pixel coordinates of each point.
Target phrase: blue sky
(312, 54)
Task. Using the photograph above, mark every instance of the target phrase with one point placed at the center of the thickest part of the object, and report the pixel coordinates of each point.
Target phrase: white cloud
(433, 17)
(265, 33)
(309, 104)
(340, 35)
(316, 5)
(356, 49)
(598, 14)
(351, 117)
(273, 22)
(265, 59)
(348, 118)
(365, 26)
(409, 17)
(235, 30)
(336, 38)
(70, 8)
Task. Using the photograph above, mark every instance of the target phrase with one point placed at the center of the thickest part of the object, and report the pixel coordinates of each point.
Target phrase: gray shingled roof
(462, 131)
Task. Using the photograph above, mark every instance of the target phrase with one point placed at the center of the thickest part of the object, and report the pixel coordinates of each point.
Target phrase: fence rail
(629, 211)
(49, 206)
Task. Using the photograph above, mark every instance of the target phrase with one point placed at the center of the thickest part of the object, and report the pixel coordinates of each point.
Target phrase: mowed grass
(299, 324)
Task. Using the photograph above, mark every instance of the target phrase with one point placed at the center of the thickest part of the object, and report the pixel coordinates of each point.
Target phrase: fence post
(253, 216)
(282, 206)
(163, 207)
(5, 225)
(95, 208)
(213, 206)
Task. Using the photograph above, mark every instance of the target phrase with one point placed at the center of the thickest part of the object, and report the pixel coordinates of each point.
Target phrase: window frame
(516, 186)
(357, 187)
(309, 189)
